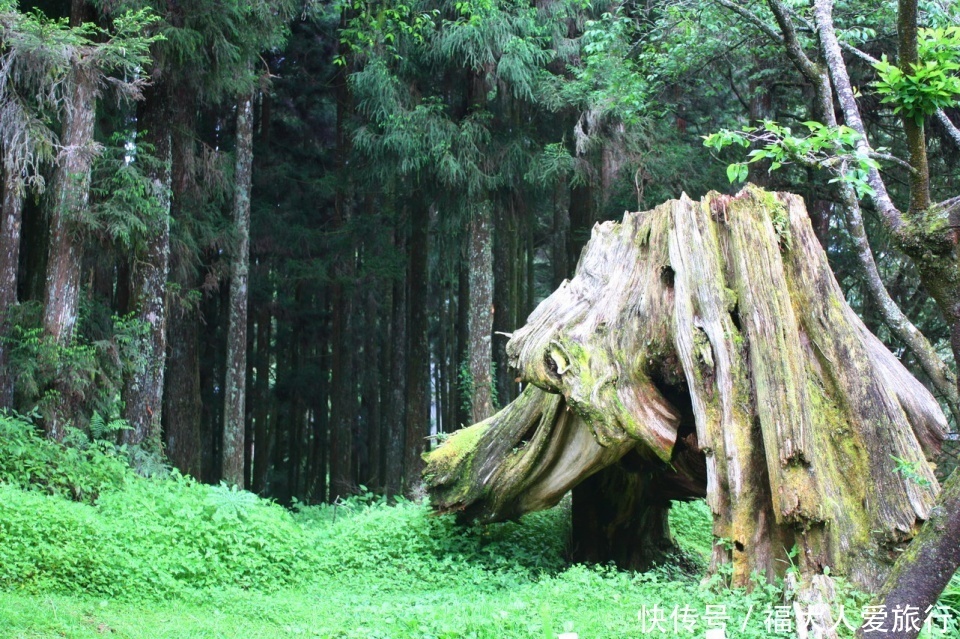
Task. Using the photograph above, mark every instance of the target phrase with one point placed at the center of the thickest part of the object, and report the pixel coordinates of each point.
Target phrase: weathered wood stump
(705, 349)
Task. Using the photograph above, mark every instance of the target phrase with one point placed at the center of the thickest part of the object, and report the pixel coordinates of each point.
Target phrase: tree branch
(939, 373)
(892, 158)
(752, 17)
(951, 128)
(830, 47)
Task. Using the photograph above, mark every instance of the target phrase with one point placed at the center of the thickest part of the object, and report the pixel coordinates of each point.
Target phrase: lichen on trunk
(705, 349)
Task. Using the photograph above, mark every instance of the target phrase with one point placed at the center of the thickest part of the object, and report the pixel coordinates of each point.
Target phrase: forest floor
(90, 549)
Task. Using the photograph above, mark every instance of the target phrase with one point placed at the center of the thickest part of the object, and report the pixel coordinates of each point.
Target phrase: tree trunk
(619, 516)
(143, 389)
(505, 267)
(181, 394)
(11, 218)
(261, 414)
(68, 205)
(343, 404)
(707, 348)
(561, 229)
(393, 436)
(480, 318)
(418, 356)
(235, 378)
(372, 396)
(462, 335)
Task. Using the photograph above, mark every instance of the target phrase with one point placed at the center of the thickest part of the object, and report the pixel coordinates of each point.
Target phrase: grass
(151, 558)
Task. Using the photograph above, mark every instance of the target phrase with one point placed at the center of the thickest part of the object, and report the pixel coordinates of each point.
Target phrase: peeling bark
(706, 348)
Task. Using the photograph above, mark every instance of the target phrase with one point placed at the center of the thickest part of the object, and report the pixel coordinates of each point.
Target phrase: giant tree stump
(705, 349)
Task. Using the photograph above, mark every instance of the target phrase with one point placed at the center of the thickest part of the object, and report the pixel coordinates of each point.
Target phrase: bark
(181, 395)
(462, 342)
(343, 405)
(418, 360)
(372, 399)
(68, 204)
(708, 347)
(236, 369)
(181, 398)
(261, 414)
(580, 219)
(908, 57)
(507, 266)
(393, 436)
(143, 389)
(11, 219)
(949, 127)
(558, 246)
(212, 354)
(480, 318)
(321, 400)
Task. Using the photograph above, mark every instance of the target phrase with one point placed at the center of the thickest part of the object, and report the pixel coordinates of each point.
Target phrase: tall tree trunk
(908, 57)
(321, 425)
(462, 341)
(581, 220)
(143, 389)
(343, 401)
(68, 205)
(559, 260)
(235, 380)
(394, 431)
(418, 355)
(505, 268)
(11, 218)
(261, 399)
(214, 313)
(181, 396)
(480, 319)
(372, 399)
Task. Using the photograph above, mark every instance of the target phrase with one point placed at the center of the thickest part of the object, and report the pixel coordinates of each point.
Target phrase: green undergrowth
(89, 548)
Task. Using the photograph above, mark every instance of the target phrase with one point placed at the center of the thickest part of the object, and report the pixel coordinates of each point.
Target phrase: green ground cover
(90, 549)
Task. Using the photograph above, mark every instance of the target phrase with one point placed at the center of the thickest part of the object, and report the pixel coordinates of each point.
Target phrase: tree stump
(704, 349)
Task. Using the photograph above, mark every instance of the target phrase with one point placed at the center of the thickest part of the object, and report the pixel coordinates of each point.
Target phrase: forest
(260, 260)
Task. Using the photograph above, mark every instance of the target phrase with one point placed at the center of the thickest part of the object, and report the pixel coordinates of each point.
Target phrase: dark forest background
(282, 244)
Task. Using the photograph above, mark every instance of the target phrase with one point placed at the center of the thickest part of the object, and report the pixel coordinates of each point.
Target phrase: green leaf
(733, 170)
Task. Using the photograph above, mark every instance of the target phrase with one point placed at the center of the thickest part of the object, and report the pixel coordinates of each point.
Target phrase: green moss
(779, 216)
(459, 446)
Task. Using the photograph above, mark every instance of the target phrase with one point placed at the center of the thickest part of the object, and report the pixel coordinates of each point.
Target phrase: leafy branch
(823, 147)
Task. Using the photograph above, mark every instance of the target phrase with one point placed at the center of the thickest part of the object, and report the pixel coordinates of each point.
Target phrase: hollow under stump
(705, 349)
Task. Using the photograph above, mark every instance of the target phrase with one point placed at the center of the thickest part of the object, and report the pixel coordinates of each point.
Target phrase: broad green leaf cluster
(931, 84)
